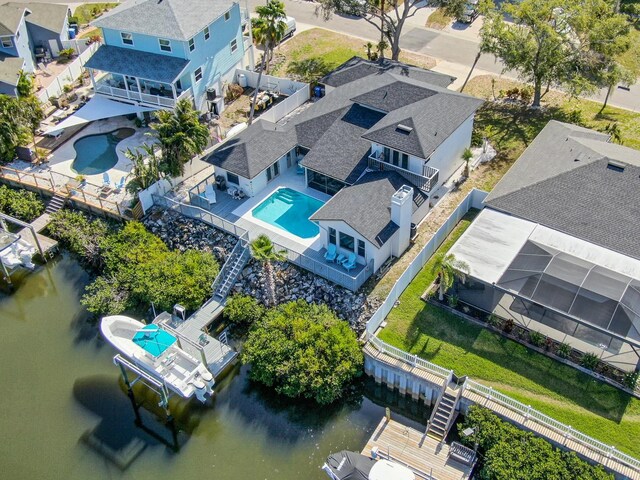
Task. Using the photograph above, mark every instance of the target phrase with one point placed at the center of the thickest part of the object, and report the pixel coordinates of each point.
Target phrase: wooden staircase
(55, 204)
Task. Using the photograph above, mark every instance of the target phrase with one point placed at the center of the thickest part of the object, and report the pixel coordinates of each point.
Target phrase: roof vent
(615, 166)
(580, 157)
(404, 129)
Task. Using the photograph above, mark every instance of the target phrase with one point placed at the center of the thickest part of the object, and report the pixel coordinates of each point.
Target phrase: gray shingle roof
(10, 18)
(263, 143)
(393, 96)
(50, 16)
(357, 68)
(10, 69)
(150, 66)
(173, 19)
(563, 181)
(366, 206)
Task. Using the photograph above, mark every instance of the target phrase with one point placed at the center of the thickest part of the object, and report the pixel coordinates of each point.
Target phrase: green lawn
(438, 19)
(562, 392)
(90, 11)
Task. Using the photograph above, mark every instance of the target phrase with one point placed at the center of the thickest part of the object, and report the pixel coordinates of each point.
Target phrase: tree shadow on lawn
(443, 328)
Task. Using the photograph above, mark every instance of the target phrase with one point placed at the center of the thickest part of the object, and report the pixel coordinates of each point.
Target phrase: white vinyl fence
(472, 200)
(297, 93)
(67, 76)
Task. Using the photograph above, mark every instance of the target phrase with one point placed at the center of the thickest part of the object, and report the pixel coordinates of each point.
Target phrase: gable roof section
(173, 19)
(50, 16)
(10, 69)
(253, 150)
(393, 96)
(564, 181)
(10, 18)
(366, 206)
(358, 68)
(150, 66)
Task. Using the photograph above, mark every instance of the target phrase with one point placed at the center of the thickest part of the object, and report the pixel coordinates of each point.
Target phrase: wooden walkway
(402, 365)
(414, 449)
(47, 244)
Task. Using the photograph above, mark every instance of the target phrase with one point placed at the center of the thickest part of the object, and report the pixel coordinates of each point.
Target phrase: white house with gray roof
(556, 248)
(381, 130)
(156, 52)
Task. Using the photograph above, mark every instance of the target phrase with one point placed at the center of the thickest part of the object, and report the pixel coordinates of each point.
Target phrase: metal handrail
(424, 183)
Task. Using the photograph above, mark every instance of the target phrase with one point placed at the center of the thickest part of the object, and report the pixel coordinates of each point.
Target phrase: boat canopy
(347, 465)
(153, 339)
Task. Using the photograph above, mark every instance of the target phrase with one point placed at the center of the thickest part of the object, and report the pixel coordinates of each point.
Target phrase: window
(227, 16)
(198, 74)
(6, 42)
(361, 248)
(192, 45)
(233, 178)
(347, 241)
(233, 45)
(179, 85)
(127, 38)
(386, 155)
(332, 235)
(206, 33)
(405, 161)
(165, 45)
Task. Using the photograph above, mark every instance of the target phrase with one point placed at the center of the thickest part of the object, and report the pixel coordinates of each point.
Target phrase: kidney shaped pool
(97, 153)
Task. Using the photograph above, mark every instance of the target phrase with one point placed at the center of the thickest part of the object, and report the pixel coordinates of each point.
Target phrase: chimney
(401, 213)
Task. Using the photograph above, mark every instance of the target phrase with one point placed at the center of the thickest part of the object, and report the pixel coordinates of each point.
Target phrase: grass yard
(438, 20)
(332, 48)
(87, 12)
(562, 392)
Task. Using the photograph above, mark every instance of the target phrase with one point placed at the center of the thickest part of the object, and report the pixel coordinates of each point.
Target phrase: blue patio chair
(120, 185)
(350, 264)
(106, 181)
(330, 256)
(299, 168)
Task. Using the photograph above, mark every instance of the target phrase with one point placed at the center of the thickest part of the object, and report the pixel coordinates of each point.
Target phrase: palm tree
(267, 30)
(145, 170)
(614, 130)
(467, 155)
(181, 136)
(448, 268)
(263, 250)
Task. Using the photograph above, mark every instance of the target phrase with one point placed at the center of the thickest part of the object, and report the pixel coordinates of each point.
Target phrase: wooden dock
(40, 241)
(414, 449)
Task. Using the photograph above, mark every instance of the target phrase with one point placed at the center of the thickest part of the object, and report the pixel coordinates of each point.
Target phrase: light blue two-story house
(15, 49)
(158, 51)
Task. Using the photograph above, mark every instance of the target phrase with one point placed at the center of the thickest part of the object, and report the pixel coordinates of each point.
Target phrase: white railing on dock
(411, 359)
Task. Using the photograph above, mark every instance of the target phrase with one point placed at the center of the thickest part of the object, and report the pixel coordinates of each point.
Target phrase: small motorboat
(347, 465)
(156, 351)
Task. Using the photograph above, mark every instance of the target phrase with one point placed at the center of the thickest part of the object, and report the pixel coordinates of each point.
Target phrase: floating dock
(428, 458)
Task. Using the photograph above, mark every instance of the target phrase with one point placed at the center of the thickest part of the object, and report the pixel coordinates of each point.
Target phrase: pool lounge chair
(106, 181)
(120, 185)
(330, 255)
(350, 264)
(209, 194)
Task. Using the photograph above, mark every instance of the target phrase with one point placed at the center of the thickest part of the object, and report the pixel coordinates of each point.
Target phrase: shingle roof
(263, 143)
(173, 19)
(564, 181)
(10, 18)
(150, 66)
(50, 16)
(10, 69)
(393, 96)
(357, 68)
(366, 206)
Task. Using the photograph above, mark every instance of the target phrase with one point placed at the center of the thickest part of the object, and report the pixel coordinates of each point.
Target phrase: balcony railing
(424, 182)
(160, 100)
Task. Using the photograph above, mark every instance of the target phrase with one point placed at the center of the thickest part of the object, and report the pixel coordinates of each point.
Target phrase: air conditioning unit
(211, 93)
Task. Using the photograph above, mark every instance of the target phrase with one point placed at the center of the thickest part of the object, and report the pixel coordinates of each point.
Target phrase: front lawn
(560, 391)
(438, 20)
(87, 12)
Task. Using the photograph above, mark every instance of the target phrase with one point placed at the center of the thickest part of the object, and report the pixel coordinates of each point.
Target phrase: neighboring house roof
(358, 68)
(572, 180)
(150, 66)
(254, 144)
(10, 69)
(366, 206)
(49, 16)
(10, 18)
(173, 19)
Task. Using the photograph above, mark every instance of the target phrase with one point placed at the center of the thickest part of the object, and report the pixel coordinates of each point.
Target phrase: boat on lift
(158, 353)
(347, 465)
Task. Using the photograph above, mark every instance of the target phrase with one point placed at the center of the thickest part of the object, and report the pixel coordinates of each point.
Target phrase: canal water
(63, 414)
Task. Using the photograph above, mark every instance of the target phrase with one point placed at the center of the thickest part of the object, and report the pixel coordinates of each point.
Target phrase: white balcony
(162, 97)
(425, 182)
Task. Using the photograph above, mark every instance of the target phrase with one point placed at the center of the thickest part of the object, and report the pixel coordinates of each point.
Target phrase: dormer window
(165, 45)
(192, 45)
(6, 42)
(127, 38)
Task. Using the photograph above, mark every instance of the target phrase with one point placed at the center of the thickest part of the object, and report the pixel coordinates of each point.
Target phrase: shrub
(526, 95)
(21, 204)
(494, 320)
(234, 91)
(303, 350)
(66, 54)
(508, 325)
(537, 338)
(563, 350)
(242, 311)
(80, 234)
(589, 360)
(630, 380)
(453, 300)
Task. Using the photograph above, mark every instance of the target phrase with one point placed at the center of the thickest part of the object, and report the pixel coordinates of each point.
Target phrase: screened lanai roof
(594, 285)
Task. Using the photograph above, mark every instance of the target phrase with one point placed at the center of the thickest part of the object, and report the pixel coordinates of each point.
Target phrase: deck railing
(160, 100)
(423, 182)
(526, 411)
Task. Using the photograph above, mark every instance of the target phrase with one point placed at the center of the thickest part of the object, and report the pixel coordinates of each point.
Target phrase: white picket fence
(67, 76)
(474, 199)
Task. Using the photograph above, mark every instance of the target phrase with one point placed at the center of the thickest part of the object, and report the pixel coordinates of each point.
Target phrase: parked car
(291, 28)
(470, 12)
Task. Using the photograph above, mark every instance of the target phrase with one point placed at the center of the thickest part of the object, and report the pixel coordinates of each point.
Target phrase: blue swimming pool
(97, 153)
(290, 211)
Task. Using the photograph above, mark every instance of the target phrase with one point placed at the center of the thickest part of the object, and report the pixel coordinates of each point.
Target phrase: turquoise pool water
(153, 339)
(97, 153)
(290, 211)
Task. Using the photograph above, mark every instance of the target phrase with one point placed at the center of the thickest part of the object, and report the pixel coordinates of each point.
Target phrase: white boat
(156, 351)
(347, 465)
